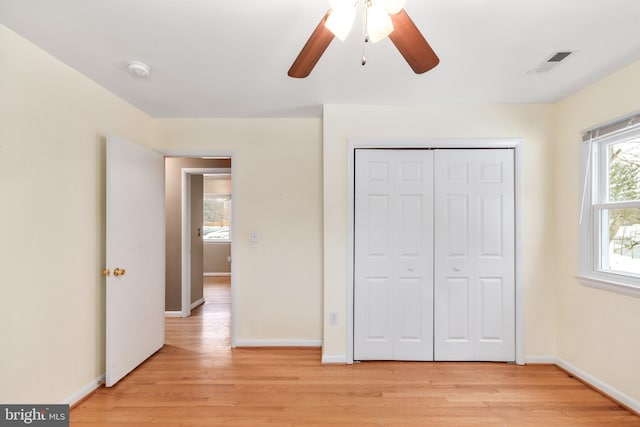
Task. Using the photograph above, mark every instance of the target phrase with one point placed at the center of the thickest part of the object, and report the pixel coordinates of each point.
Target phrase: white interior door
(136, 245)
(393, 283)
(474, 255)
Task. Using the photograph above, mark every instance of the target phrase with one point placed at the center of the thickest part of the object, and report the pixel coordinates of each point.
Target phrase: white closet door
(393, 283)
(474, 275)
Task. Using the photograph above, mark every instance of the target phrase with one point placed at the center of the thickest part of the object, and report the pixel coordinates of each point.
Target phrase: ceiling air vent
(551, 62)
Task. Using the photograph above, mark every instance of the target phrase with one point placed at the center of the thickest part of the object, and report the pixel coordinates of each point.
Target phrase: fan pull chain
(364, 31)
(364, 45)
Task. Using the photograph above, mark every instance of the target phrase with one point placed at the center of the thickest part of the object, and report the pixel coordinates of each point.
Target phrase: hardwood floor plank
(197, 380)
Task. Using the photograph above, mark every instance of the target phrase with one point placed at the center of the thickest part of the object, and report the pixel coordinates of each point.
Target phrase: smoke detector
(138, 69)
(551, 62)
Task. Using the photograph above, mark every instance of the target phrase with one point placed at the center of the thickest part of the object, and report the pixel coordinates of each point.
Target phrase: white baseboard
(334, 358)
(279, 343)
(195, 304)
(173, 314)
(596, 383)
(547, 360)
(216, 274)
(84, 391)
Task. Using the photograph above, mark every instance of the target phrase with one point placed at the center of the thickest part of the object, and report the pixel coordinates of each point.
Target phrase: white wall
(597, 330)
(277, 171)
(532, 123)
(53, 122)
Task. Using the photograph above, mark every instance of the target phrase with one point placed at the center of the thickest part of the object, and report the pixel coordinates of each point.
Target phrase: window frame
(595, 169)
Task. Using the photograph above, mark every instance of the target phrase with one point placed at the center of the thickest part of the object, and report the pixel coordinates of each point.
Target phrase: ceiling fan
(382, 18)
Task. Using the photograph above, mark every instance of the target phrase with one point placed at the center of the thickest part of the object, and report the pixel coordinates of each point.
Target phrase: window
(610, 215)
(216, 208)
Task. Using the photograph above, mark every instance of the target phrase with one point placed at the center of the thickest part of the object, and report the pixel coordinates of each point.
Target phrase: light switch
(333, 318)
(253, 236)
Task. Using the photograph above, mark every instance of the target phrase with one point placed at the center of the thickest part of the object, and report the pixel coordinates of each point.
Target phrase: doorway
(184, 229)
(419, 297)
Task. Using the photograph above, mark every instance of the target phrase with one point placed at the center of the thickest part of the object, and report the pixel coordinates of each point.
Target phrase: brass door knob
(117, 272)
(106, 272)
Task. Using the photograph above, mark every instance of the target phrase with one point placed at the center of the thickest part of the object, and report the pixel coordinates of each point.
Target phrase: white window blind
(615, 127)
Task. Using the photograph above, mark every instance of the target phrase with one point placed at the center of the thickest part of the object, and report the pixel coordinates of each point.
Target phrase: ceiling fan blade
(412, 44)
(312, 50)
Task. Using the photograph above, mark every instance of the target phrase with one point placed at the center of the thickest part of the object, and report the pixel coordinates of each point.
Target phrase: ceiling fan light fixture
(340, 20)
(379, 24)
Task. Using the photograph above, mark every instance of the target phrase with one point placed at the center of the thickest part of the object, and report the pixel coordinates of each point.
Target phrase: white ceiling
(213, 58)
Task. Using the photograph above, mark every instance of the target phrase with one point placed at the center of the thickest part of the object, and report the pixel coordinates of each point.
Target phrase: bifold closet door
(474, 273)
(393, 271)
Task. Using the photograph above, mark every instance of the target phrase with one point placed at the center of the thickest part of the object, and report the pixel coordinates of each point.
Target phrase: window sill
(610, 285)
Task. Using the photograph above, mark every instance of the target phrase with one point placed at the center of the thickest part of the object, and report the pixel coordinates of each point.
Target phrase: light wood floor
(196, 379)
